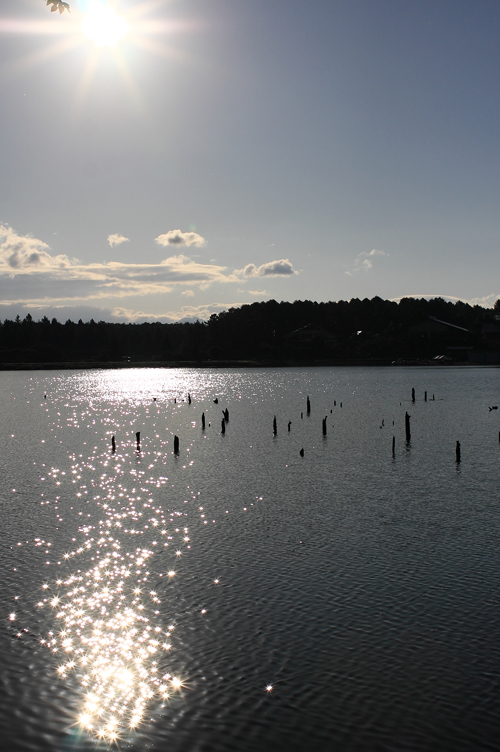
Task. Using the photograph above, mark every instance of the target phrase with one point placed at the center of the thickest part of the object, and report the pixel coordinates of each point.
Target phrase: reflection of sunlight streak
(107, 636)
(110, 634)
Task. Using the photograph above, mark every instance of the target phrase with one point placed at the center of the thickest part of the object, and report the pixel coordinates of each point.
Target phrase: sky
(166, 160)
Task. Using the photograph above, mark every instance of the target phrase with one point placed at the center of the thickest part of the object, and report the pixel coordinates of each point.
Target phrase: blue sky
(224, 152)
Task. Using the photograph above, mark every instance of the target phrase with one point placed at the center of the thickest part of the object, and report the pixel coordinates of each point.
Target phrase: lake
(238, 595)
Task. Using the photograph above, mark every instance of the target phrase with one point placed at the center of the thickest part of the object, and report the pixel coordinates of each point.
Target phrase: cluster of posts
(225, 420)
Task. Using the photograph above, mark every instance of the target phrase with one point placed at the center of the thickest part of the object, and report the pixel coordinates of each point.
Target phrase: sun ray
(40, 56)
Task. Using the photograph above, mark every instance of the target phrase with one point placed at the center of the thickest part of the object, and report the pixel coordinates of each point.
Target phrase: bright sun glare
(103, 26)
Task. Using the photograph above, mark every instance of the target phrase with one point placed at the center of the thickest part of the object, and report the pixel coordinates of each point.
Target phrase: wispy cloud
(176, 237)
(281, 268)
(116, 239)
(202, 312)
(188, 293)
(364, 261)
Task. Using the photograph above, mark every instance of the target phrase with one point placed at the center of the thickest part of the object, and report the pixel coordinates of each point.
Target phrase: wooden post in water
(457, 452)
(324, 426)
(275, 426)
(308, 405)
(223, 426)
(189, 399)
(413, 394)
(302, 452)
(203, 421)
(138, 441)
(407, 428)
(425, 396)
(393, 445)
(113, 444)
(290, 423)
(176, 445)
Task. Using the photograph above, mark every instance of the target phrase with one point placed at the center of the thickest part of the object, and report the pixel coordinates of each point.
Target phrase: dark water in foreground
(346, 600)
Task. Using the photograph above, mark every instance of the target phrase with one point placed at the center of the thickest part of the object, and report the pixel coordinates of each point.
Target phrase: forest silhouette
(267, 332)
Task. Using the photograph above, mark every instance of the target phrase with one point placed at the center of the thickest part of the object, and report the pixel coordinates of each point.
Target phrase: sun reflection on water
(110, 635)
(106, 635)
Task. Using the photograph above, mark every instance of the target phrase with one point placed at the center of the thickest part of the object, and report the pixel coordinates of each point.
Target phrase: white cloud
(188, 293)
(176, 237)
(257, 292)
(281, 268)
(116, 239)
(37, 277)
(487, 301)
(22, 253)
(364, 261)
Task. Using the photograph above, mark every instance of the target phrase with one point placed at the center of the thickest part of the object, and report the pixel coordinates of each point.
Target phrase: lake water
(239, 596)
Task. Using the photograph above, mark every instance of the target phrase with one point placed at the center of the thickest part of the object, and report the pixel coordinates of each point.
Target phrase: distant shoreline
(242, 364)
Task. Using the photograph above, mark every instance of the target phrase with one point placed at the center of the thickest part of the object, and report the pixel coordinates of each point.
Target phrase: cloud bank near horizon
(35, 276)
(32, 280)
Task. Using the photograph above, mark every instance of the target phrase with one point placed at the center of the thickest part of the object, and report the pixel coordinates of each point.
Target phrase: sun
(103, 26)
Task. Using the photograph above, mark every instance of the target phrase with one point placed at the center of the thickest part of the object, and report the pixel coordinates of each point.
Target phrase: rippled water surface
(239, 596)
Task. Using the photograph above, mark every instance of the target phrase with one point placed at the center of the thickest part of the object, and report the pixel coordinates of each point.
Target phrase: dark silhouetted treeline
(346, 331)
